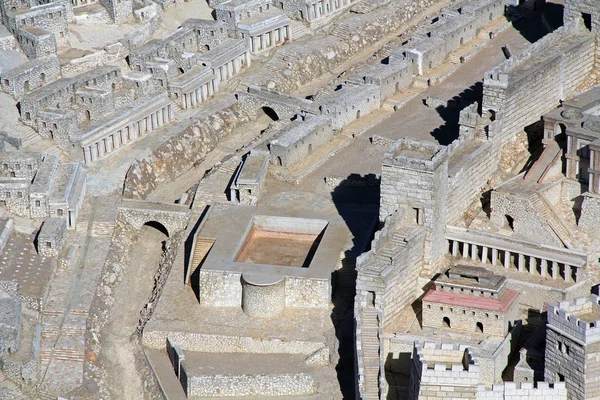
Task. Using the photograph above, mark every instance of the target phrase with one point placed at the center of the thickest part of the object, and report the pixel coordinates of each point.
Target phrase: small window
(19, 195)
(59, 212)
(38, 203)
(49, 244)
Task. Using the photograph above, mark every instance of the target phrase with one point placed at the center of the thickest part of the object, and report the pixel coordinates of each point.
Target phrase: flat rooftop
(272, 241)
(464, 300)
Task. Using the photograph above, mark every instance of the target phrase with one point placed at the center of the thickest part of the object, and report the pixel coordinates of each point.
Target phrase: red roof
(465, 300)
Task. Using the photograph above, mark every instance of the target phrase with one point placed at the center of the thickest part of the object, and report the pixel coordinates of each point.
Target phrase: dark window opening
(479, 327)
(587, 21)
(446, 322)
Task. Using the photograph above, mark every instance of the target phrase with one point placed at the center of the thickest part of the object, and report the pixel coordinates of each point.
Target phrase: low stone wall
(206, 343)
(511, 390)
(251, 385)
(113, 54)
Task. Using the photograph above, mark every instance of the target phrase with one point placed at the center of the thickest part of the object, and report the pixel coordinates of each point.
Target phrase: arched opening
(114, 86)
(279, 161)
(462, 40)
(88, 116)
(207, 48)
(26, 86)
(560, 132)
(491, 16)
(446, 322)
(491, 114)
(430, 64)
(358, 114)
(158, 226)
(51, 134)
(398, 87)
(270, 113)
(181, 71)
(42, 79)
(310, 148)
(509, 222)
(371, 299)
(479, 327)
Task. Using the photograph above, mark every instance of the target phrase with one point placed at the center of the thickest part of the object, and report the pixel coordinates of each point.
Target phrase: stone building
(250, 178)
(471, 299)
(298, 139)
(51, 237)
(314, 12)
(390, 78)
(29, 76)
(440, 369)
(239, 271)
(349, 103)
(50, 188)
(573, 346)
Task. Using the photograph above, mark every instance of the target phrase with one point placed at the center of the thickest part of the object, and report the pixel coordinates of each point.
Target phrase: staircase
(201, 249)
(370, 347)
(298, 29)
(343, 31)
(550, 154)
(556, 226)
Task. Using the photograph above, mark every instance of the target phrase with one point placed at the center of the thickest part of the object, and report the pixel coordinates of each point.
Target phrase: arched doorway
(510, 222)
(446, 322)
(42, 79)
(270, 113)
(279, 161)
(88, 116)
(26, 86)
(358, 114)
(479, 327)
(310, 148)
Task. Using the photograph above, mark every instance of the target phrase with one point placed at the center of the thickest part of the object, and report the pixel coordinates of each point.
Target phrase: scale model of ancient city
(299, 199)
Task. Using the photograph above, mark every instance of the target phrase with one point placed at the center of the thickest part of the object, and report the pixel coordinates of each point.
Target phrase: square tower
(573, 347)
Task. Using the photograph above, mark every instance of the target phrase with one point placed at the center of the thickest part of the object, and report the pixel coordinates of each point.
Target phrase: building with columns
(226, 60)
(123, 127)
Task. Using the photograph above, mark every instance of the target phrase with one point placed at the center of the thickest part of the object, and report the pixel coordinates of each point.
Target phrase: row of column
(199, 95)
(522, 262)
(122, 137)
(270, 39)
(324, 7)
(82, 3)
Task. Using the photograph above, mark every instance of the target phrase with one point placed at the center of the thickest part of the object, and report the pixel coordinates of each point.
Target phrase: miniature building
(390, 78)
(471, 299)
(441, 368)
(52, 237)
(349, 104)
(298, 139)
(250, 178)
(10, 325)
(572, 346)
(49, 189)
(264, 260)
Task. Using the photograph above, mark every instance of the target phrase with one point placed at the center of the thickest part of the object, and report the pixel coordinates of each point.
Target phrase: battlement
(525, 390)
(414, 154)
(579, 319)
(499, 76)
(445, 360)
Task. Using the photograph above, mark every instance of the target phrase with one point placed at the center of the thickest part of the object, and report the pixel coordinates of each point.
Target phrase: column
(263, 42)
(159, 117)
(567, 272)
(100, 145)
(494, 256)
(281, 32)
(237, 65)
(230, 68)
(506, 259)
(272, 41)
(93, 152)
(474, 249)
(543, 267)
(554, 270)
(194, 100)
(248, 60)
(108, 143)
(143, 126)
(171, 112)
(465, 253)
(454, 248)
(153, 121)
(134, 131)
(123, 136)
(576, 273)
(204, 91)
(521, 262)
(256, 42)
(288, 32)
(87, 155)
(484, 255)
(165, 114)
(532, 264)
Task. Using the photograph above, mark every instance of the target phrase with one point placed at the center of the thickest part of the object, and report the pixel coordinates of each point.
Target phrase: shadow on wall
(450, 113)
(537, 24)
(359, 207)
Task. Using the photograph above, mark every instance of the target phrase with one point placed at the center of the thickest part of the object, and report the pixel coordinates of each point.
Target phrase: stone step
(62, 354)
(298, 29)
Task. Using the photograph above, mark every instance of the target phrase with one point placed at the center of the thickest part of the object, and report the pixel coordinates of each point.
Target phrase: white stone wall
(220, 289)
(251, 385)
(307, 293)
(525, 391)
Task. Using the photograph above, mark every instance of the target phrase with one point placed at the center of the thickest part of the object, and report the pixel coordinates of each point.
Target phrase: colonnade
(199, 95)
(324, 7)
(536, 264)
(270, 39)
(124, 136)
